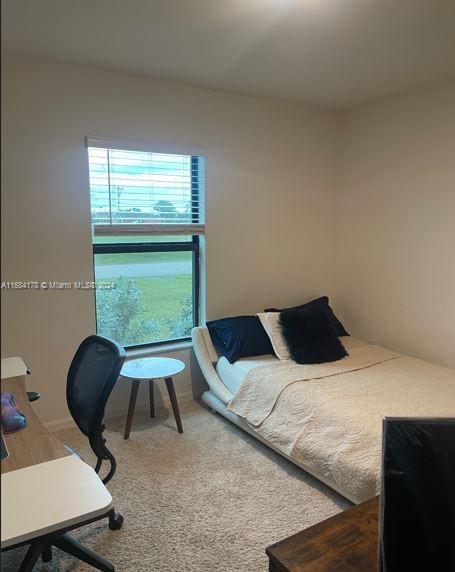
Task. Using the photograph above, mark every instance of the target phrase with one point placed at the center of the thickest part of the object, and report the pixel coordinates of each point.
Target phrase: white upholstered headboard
(206, 356)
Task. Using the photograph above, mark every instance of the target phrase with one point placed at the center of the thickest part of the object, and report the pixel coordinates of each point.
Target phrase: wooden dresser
(345, 542)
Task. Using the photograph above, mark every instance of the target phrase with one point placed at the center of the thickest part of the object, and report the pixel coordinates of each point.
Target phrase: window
(147, 213)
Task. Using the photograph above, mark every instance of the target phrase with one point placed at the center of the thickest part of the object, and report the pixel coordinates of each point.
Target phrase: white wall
(396, 223)
(382, 246)
(270, 200)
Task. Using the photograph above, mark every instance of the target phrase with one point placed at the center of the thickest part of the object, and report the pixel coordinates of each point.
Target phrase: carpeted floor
(209, 500)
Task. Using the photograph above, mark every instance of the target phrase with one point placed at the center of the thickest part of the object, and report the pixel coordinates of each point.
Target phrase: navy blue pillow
(321, 303)
(241, 336)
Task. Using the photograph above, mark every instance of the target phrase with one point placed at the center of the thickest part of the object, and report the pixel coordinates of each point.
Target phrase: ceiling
(333, 53)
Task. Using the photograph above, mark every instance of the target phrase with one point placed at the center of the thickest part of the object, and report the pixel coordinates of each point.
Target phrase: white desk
(13, 367)
(44, 488)
(48, 497)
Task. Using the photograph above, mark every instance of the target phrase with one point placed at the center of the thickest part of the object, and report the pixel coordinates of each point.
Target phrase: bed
(326, 418)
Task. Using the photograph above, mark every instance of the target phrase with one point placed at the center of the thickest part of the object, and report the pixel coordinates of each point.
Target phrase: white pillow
(273, 329)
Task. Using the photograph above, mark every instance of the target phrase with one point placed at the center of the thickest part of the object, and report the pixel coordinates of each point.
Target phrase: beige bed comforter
(329, 416)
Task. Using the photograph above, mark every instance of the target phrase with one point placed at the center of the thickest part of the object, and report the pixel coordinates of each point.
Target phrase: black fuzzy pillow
(321, 303)
(311, 336)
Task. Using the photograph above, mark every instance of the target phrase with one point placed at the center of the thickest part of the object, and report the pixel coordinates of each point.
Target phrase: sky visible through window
(139, 187)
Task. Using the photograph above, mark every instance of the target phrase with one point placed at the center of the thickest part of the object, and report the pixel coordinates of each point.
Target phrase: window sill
(155, 350)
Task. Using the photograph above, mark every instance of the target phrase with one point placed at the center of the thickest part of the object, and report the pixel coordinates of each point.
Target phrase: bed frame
(219, 396)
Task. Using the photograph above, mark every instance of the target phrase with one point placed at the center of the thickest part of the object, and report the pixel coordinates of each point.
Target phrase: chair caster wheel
(115, 521)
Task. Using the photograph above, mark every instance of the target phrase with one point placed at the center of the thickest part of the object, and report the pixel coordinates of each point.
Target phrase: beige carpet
(209, 500)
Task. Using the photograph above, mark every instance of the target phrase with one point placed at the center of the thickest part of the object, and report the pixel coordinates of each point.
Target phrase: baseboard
(68, 423)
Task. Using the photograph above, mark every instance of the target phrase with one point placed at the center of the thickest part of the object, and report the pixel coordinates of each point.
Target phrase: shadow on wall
(198, 383)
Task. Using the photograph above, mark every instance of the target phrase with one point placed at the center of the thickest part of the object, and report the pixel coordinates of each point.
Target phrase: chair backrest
(91, 378)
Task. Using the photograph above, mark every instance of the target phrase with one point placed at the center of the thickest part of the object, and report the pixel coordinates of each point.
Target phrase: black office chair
(91, 378)
(32, 395)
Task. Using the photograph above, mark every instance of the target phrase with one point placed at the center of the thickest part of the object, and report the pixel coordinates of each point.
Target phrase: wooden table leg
(132, 405)
(175, 406)
(152, 398)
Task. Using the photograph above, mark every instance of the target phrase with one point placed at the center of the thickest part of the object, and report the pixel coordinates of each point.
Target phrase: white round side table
(149, 369)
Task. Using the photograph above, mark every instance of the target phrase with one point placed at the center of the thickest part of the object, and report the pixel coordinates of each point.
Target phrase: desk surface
(48, 497)
(12, 367)
(346, 542)
(33, 444)
(45, 487)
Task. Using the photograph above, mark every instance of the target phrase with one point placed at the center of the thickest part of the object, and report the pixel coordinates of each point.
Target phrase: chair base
(115, 521)
(46, 555)
(42, 546)
(68, 544)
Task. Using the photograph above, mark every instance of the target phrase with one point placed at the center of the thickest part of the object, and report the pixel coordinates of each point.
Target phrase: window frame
(193, 246)
(133, 247)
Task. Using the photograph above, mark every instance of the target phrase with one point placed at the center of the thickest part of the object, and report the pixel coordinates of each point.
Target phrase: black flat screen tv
(417, 509)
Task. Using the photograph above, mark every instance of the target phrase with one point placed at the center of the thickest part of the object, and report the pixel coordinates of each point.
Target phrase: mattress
(329, 416)
(232, 374)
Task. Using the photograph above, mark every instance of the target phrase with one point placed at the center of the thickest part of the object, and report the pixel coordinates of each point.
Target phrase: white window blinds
(143, 192)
